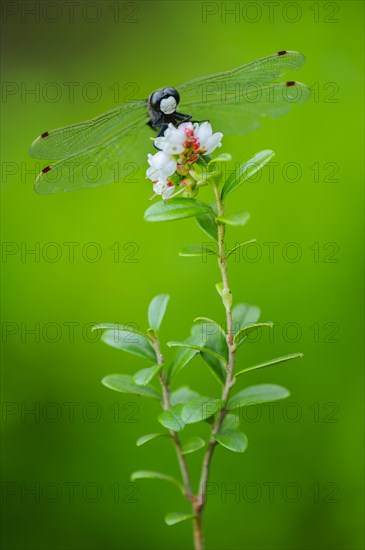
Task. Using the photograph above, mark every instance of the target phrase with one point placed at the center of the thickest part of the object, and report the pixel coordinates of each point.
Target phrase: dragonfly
(93, 152)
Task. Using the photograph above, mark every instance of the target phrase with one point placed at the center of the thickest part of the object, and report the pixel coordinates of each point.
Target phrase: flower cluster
(176, 165)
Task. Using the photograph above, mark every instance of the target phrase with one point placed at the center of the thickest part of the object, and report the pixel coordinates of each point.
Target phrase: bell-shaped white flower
(162, 187)
(208, 141)
(161, 166)
(172, 142)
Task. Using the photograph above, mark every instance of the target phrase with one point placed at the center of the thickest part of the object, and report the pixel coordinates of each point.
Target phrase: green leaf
(174, 517)
(219, 287)
(197, 251)
(182, 394)
(243, 332)
(240, 245)
(208, 226)
(129, 341)
(201, 408)
(262, 393)
(223, 157)
(233, 440)
(146, 438)
(231, 421)
(146, 474)
(124, 384)
(215, 349)
(184, 355)
(271, 362)
(207, 320)
(174, 344)
(246, 171)
(193, 445)
(241, 218)
(156, 311)
(115, 326)
(172, 419)
(142, 377)
(243, 315)
(176, 209)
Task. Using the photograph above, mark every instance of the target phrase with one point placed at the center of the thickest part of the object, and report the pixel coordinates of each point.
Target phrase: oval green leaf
(129, 341)
(174, 344)
(200, 408)
(241, 218)
(142, 377)
(245, 331)
(182, 394)
(243, 315)
(193, 445)
(156, 311)
(207, 320)
(231, 421)
(115, 326)
(215, 350)
(271, 362)
(233, 440)
(176, 209)
(238, 246)
(172, 419)
(223, 157)
(146, 474)
(246, 171)
(253, 395)
(184, 355)
(149, 437)
(124, 384)
(208, 226)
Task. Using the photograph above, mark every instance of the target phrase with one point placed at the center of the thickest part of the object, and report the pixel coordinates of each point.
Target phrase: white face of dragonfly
(168, 105)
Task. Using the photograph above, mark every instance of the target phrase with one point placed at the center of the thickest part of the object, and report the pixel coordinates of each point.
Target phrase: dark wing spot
(282, 52)
(45, 134)
(290, 83)
(46, 169)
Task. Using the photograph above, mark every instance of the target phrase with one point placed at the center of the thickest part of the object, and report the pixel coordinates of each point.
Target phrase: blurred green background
(299, 486)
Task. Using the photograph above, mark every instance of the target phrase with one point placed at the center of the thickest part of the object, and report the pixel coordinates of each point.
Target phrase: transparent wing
(119, 158)
(262, 71)
(236, 101)
(63, 142)
(248, 112)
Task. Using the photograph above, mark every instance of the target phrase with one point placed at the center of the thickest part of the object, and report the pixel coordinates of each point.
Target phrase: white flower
(187, 126)
(162, 165)
(180, 149)
(172, 142)
(208, 141)
(161, 187)
(198, 136)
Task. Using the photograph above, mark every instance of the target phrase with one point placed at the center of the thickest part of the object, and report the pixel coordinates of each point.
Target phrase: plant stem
(199, 500)
(222, 262)
(175, 438)
(198, 530)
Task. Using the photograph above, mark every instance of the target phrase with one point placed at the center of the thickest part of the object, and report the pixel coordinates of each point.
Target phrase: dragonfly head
(164, 101)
